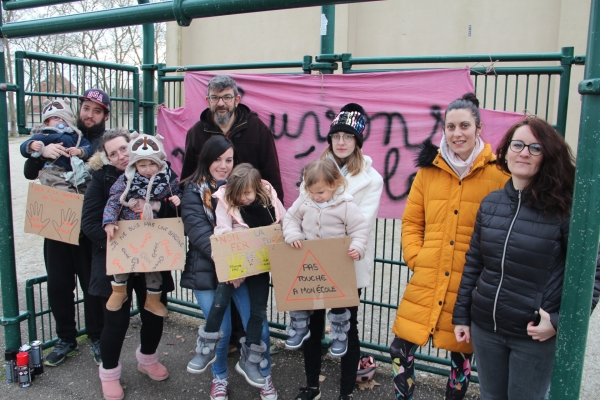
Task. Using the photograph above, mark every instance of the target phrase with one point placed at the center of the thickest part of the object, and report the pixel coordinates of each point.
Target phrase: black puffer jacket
(95, 199)
(514, 266)
(199, 272)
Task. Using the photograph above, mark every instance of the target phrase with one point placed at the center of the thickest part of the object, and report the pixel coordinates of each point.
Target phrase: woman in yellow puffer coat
(436, 230)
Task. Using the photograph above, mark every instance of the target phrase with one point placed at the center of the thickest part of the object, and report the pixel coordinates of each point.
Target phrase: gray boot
(298, 329)
(206, 353)
(251, 360)
(340, 324)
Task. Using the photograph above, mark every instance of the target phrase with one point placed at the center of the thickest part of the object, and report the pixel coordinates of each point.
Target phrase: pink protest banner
(404, 109)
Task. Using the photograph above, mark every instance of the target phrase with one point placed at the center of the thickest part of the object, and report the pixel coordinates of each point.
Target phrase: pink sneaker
(268, 392)
(218, 391)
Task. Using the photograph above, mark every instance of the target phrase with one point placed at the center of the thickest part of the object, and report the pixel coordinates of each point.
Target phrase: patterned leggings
(403, 354)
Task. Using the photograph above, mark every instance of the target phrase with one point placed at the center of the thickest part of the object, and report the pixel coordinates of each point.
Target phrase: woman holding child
(363, 187)
(110, 164)
(199, 212)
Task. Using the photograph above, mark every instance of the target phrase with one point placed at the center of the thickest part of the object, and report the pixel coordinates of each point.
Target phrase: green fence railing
(39, 76)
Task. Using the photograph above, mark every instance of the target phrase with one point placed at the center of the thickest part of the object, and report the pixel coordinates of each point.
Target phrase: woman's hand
(462, 333)
(237, 282)
(139, 206)
(544, 330)
(54, 150)
(110, 230)
(297, 244)
(354, 254)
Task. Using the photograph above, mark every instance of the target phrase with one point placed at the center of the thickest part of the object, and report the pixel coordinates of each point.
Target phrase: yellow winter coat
(436, 230)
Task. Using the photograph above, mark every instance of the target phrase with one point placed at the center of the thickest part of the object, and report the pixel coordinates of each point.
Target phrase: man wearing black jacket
(252, 140)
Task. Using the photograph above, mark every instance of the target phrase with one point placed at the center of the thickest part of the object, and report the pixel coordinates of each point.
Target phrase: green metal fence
(39, 76)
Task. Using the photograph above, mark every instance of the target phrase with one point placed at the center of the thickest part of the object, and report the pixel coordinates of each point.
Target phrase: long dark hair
(212, 149)
(551, 189)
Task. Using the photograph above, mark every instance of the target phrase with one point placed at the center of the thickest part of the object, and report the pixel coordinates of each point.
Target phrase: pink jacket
(232, 220)
(306, 221)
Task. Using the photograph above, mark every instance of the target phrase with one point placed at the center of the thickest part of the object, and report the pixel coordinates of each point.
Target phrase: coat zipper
(503, 259)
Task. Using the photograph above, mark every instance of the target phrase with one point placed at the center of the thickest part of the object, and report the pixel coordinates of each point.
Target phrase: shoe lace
(269, 388)
(305, 393)
(219, 386)
(61, 346)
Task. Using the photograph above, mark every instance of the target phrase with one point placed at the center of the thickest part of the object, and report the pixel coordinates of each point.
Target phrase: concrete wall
(393, 28)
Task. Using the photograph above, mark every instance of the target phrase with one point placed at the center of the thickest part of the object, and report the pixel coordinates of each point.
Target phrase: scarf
(158, 185)
(458, 165)
(206, 189)
(343, 170)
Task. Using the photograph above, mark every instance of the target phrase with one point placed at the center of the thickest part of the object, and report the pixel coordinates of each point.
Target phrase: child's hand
(36, 145)
(354, 254)
(175, 200)
(74, 151)
(110, 230)
(297, 244)
(236, 282)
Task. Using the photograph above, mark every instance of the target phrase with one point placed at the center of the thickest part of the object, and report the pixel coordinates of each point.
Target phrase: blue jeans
(512, 367)
(241, 298)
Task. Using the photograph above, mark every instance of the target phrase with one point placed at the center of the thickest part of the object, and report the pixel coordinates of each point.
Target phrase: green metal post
(563, 94)
(148, 77)
(160, 88)
(584, 231)
(327, 29)
(22, 4)
(20, 102)
(8, 273)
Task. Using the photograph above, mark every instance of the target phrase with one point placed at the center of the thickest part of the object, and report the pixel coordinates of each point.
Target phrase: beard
(99, 127)
(223, 119)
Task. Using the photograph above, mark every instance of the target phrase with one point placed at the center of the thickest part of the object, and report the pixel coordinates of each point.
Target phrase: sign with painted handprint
(244, 253)
(146, 246)
(53, 213)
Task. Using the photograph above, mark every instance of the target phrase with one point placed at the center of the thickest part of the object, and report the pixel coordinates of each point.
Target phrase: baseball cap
(97, 96)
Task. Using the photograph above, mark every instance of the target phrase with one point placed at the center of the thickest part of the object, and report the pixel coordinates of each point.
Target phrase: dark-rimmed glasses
(535, 149)
(226, 99)
(336, 137)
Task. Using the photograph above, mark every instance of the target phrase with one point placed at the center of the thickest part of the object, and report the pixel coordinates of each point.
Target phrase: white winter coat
(365, 189)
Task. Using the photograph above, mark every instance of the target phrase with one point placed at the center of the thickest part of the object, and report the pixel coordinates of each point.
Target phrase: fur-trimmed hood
(427, 153)
(98, 160)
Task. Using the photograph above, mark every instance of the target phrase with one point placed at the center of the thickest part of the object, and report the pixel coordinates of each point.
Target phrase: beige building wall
(394, 28)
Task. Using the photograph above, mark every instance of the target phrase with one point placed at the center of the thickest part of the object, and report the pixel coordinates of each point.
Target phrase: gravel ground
(77, 378)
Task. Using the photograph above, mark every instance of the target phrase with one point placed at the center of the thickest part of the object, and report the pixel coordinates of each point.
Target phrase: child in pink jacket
(245, 202)
(327, 213)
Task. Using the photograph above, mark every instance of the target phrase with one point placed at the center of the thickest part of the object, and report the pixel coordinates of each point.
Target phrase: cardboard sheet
(319, 276)
(146, 246)
(53, 213)
(244, 253)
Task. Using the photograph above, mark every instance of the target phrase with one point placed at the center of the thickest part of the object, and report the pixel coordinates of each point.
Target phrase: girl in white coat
(365, 185)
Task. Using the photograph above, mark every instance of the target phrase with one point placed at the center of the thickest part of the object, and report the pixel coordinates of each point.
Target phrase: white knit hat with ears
(144, 147)
(60, 108)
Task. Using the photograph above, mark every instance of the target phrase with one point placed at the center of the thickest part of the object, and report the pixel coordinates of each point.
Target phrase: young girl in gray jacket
(328, 212)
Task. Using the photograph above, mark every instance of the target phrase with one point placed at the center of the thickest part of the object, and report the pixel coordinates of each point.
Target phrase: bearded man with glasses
(252, 139)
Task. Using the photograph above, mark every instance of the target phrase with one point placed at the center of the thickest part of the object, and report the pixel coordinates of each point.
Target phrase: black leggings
(258, 289)
(117, 322)
(312, 351)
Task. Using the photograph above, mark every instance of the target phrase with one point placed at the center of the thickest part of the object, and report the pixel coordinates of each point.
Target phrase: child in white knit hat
(148, 178)
(59, 127)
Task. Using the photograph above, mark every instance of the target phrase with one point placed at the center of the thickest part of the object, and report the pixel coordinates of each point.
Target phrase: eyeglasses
(346, 138)
(121, 150)
(226, 99)
(53, 104)
(535, 149)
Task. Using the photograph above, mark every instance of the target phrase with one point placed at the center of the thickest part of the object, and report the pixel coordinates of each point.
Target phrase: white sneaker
(218, 390)
(268, 392)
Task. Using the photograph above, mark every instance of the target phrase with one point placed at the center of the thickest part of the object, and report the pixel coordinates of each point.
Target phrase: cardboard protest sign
(53, 213)
(146, 246)
(319, 276)
(244, 253)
